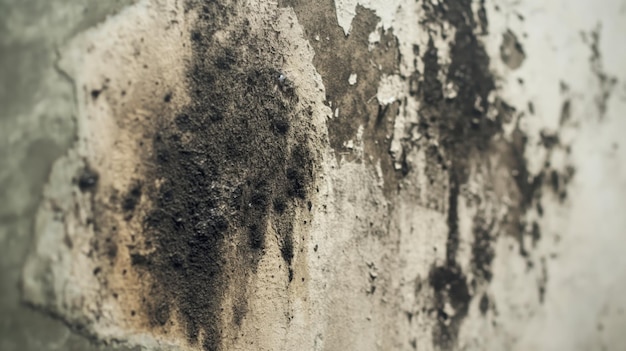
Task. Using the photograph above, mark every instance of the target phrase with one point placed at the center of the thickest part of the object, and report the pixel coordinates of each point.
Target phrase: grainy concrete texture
(312, 175)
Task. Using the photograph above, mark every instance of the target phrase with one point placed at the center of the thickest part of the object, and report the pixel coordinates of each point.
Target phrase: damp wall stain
(227, 157)
(459, 133)
(354, 106)
(185, 179)
(229, 162)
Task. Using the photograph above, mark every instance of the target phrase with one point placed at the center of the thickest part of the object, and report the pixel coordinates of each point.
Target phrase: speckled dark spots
(339, 57)
(132, 198)
(482, 250)
(87, 179)
(549, 139)
(230, 163)
(605, 81)
(465, 136)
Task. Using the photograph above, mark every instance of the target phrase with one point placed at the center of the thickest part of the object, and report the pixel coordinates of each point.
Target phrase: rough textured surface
(432, 175)
(232, 162)
(36, 127)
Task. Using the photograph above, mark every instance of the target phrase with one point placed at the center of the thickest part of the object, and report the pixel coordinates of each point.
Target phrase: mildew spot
(511, 51)
(87, 179)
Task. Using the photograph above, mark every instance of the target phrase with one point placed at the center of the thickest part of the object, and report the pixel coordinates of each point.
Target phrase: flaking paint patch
(391, 88)
(346, 11)
(336, 66)
(450, 111)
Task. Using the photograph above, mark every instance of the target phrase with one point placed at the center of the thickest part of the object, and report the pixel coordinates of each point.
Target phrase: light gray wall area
(36, 127)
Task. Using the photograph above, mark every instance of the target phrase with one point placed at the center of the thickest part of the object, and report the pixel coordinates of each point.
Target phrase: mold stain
(223, 169)
(511, 50)
(235, 161)
(457, 134)
(337, 58)
(462, 137)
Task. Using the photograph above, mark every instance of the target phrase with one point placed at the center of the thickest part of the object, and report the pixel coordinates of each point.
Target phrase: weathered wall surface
(378, 175)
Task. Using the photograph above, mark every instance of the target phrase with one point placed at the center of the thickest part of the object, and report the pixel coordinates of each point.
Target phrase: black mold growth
(464, 132)
(231, 161)
(87, 179)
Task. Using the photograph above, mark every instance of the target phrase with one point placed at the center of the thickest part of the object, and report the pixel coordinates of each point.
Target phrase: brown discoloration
(606, 82)
(337, 56)
(197, 164)
(217, 171)
(87, 179)
(459, 139)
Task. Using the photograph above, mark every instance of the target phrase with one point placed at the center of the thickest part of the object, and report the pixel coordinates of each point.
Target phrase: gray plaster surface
(36, 128)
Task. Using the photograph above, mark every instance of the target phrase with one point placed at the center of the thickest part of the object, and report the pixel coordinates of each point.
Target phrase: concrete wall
(37, 127)
(379, 175)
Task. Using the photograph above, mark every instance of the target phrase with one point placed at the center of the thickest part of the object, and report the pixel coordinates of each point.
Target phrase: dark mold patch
(167, 97)
(337, 56)
(543, 280)
(549, 139)
(511, 51)
(458, 134)
(232, 162)
(481, 13)
(132, 198)
(606, 83)
(536, 233)
(160, 314)
(286, 249)
(456, 130)
(87, 179)
(449, 285)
